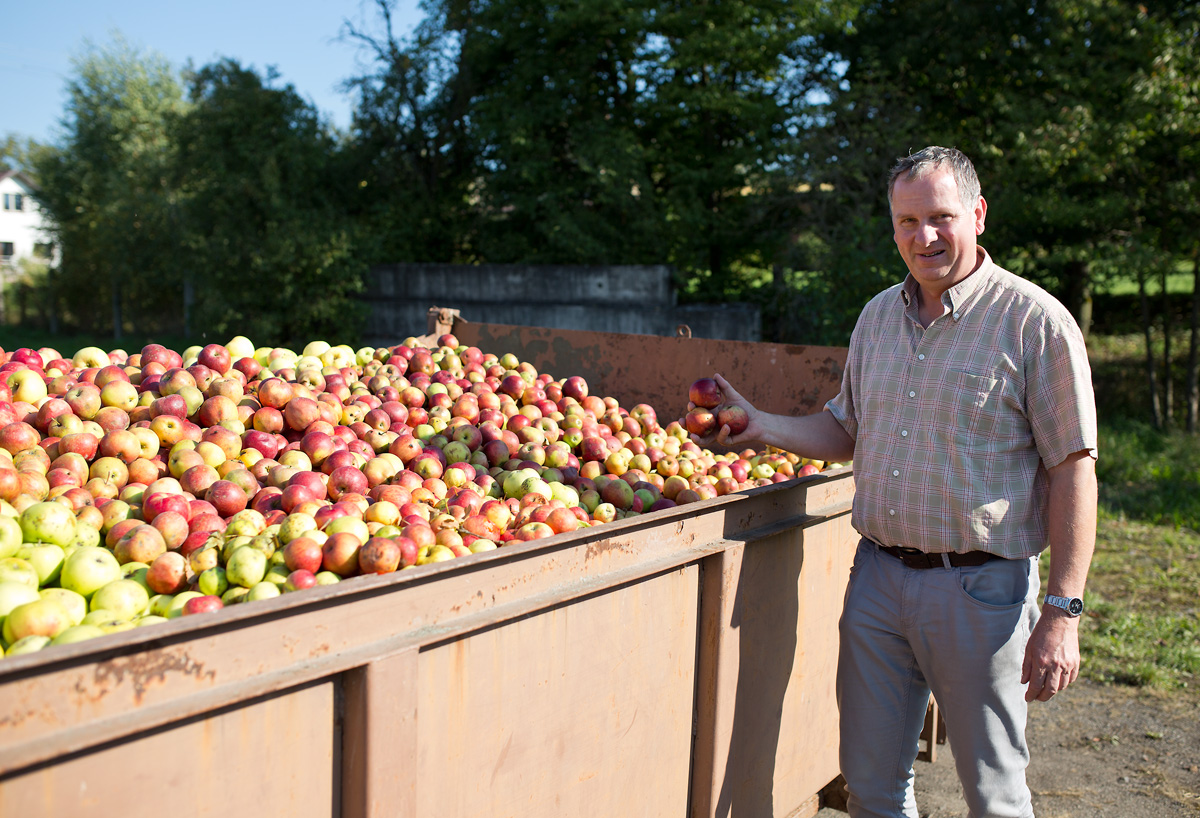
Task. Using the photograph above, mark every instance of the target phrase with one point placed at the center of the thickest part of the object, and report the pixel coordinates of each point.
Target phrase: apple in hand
(733, 416)
(706, 393)
(701, 422)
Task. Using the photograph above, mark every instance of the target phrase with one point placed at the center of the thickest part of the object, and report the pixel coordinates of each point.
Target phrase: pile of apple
(138, 488)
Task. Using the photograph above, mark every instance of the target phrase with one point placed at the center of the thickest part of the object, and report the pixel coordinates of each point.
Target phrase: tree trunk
(1155, 414)
(51, 302)
(116, 308)
(1168, 386)
(1193, 385)
(777, 310)
(1079, 294)
(188, 297)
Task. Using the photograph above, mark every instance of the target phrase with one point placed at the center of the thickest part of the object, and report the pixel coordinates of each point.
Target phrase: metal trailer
(672, 664)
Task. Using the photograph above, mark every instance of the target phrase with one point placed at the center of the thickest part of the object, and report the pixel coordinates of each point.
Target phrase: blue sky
(38, 38)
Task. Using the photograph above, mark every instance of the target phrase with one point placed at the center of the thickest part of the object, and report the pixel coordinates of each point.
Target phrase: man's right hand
(723, 437)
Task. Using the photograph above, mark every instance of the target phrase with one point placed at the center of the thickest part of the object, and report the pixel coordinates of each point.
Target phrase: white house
(22, 228)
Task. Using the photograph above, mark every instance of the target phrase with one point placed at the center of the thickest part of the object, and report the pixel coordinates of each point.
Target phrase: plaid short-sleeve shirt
(956, 424)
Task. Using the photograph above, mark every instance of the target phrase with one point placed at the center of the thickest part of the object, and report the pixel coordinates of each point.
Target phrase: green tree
(407, 168)
(269, 252)
(602, 132)
(106, 191)
(1165, 110)
(1041, 95)
(19, 153)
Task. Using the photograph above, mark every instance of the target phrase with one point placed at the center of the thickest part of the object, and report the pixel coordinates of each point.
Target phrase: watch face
(1075, 606)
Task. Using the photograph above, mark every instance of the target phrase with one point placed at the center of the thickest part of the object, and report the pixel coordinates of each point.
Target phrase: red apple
(379, 555)
(303, 553)
(733, 416)
(701, 422)
(202, 604)
(706, 393)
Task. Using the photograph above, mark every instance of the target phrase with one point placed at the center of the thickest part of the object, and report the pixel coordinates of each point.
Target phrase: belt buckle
(913, 557)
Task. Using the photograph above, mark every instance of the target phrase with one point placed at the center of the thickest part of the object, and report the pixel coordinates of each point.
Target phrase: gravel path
(1097, 752)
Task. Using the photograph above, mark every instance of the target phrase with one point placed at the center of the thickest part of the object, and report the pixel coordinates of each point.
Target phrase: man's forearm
(818, 436)
(1072, 512)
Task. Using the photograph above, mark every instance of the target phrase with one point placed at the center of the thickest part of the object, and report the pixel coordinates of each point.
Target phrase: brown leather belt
(919, 559)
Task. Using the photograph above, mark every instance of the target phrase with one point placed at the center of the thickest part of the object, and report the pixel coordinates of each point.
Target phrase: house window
(14, 201)
(6, 250)
(43, 251)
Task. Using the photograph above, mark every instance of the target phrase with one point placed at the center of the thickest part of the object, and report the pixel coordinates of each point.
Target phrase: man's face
(935, 234)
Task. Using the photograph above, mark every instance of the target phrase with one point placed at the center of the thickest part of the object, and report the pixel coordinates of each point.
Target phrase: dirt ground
(1097, 752)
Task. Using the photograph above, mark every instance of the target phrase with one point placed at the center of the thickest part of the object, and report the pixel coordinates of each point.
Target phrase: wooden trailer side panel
(581, 710)
(767, 731)
(271, 757)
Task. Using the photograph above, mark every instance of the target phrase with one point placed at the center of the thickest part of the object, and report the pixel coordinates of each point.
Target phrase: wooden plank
(273, 757)
(379, 738)
(784, 746)
(582, 710)
(716, 683)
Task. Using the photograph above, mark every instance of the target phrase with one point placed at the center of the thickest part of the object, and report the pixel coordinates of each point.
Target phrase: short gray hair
(927, 160)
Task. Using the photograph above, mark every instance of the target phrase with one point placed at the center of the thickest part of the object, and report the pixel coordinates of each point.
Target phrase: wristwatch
(1072, 605)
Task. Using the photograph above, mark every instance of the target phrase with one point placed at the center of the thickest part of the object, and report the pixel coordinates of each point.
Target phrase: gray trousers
(960, 632)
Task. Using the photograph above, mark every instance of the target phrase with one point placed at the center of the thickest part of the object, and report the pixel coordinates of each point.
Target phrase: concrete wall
(629, 299)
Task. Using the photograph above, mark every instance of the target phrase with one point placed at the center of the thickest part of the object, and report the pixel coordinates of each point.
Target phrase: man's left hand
(1051, 656)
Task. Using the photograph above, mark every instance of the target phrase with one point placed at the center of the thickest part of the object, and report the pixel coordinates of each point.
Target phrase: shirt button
(896, 473)
(921, 357)
(955, 316)
(891, 512)
(904, 433)
(912, 394)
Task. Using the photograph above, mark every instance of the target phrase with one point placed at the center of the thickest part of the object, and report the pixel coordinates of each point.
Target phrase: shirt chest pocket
(987, 411)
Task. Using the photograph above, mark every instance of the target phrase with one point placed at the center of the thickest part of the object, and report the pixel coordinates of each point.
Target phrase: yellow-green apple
(246, 567)
(213, 582)
(48, 522)
(46, 559)
(27, 386)
(41, 617)
(123, 598)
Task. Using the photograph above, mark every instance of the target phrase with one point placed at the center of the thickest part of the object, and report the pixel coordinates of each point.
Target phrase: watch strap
(1072, 605)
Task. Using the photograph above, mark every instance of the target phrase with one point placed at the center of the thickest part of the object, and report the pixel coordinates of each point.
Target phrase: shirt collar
(960, 293)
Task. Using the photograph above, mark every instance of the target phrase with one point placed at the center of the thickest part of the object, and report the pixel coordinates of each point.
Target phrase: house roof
(20, 175)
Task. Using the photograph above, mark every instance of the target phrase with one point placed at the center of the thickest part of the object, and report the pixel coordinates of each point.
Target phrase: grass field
(1142, 625)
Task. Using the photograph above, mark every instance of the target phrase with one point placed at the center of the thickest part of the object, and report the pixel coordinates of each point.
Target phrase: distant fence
(628, 299)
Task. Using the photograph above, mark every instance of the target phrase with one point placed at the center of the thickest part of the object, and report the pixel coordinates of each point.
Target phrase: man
(967, 407)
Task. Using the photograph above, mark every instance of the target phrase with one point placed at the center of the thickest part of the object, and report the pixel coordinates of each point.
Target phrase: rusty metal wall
(782, 378)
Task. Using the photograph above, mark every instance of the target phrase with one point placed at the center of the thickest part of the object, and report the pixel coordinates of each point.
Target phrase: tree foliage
(602, 132)
(745, 142)
(219, 211)
(1043, 96)
(268, 251)
(408, 166)
(106, 189)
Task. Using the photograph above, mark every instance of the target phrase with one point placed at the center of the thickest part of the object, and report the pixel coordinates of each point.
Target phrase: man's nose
(926, 233)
